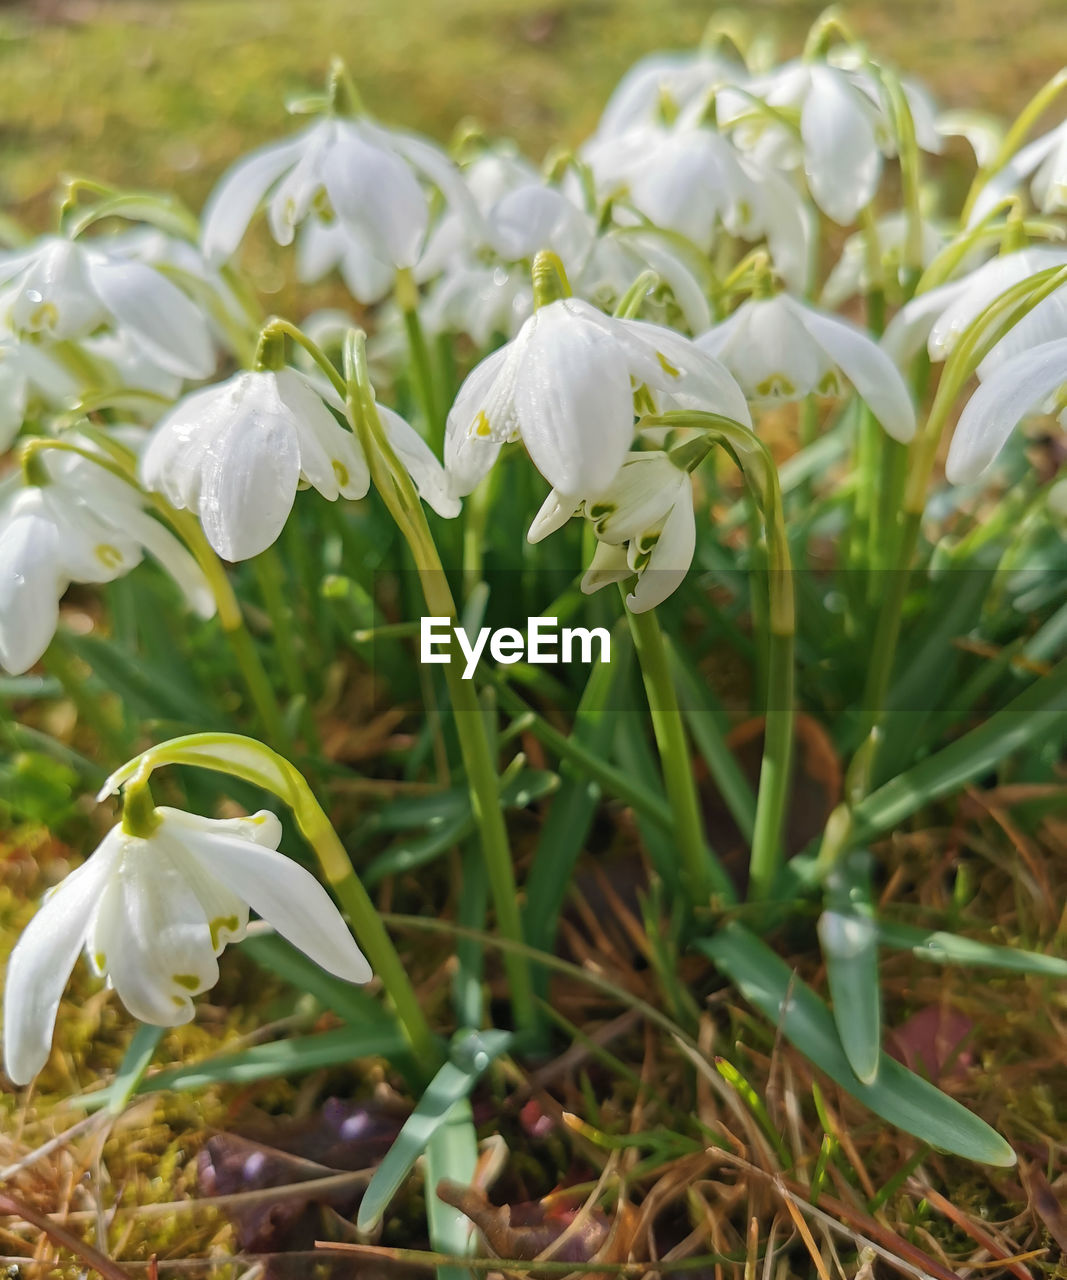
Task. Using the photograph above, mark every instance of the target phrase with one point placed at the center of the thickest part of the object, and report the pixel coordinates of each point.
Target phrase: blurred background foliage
(164, 93)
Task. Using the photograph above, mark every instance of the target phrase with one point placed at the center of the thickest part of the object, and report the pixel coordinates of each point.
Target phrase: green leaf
(849, 940)
(266, 1061)
(134, 1064)
(951, 948)
(1035, 714)
(898, 1095)
(451, 1153)
(567, 826)
(472, 1053)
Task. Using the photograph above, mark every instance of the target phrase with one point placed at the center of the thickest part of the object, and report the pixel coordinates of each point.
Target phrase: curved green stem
(397, 491)
(701, 873)
(407, 299)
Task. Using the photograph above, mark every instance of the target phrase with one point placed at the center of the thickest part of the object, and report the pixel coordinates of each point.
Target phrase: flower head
(63, 289)
(79, 525)
(781, 349)
(154, 911)
(563, 385)
(644, 524)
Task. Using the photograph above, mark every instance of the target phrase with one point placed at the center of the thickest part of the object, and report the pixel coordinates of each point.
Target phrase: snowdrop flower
(1027, 383)
(843, 129)
(688, 178)
(851, 273)
(154, 908)
(63, 289)
(80, 524)
(940, 316)
(563, 385)
(237, 452)
(678, 79)
(1044, 161)
(644, 523)
(28, 374)
(366, 176)
(325, 246)
(781, 349)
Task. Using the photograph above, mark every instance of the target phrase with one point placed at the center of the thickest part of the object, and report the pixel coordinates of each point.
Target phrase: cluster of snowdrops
(627, 314)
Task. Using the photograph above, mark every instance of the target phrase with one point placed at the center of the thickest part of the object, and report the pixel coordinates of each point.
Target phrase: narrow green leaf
(134, 1065)
(451, 1153)
(951, 948)
(1035, 714)
(349, 1002)
(472, 1053)
(898, 1095)
(849, 940)
(266, 1061)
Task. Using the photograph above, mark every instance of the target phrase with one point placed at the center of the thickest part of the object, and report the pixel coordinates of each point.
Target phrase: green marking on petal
(480, 426)
(110, 557)
(187, 980)
(100, 961)
(341, 472)
(228, 923)
(601, 510)
(666, 366)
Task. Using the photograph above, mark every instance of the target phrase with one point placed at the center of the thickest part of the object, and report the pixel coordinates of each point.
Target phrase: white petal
(151, 937)
(427, 474)
(173, 556)
(670, 559)
(573, 398)
(158, 316)
(909, 330)
(481, 419)
(554, 513)
(376, 192)
(992, 413)
(240, 191)
(288, 897)
(867, 367)
(841, 155)
(609, 565)
(41, 963)
(639, 499)
(30, 584)
(331, 458)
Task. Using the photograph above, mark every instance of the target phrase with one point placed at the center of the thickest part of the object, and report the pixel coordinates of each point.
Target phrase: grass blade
(898, 1095)
(849, 940)
(951, 948)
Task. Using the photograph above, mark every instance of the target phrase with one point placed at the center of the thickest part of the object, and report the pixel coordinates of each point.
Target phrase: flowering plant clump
(823, 470)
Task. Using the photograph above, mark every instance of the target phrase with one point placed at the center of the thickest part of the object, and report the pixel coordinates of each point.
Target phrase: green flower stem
(268, 570)
(701, 872)
(277, 327)
(407, 299)
(251, 761)
(59, 662)
(775, 769)
(397, 491)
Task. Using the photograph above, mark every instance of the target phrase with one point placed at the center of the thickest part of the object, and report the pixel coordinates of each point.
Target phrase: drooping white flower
(940, 316)
(322, 247)
(1022, 385)
(237, 452)
(153, 913)
(781, 349)
(1044, 161)
(563, 385)
(674, 80)
(81, 525)
(644, 523)
(65, 289)
(366, 175)
(688, 178)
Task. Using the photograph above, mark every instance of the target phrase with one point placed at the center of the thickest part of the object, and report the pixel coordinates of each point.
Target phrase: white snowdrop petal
(573, 398)
(30, 585)
(157, 315)
(289, 898)
(554, 513)
(151, 936)
(427, 473)
(330, 455)
(1017, 388)
(608, 566)
(41, 964)
(173, 556)
(867, 367)
(841, 155)
(670, 560)
(639, 498)
(231, 205)
(375, 191)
